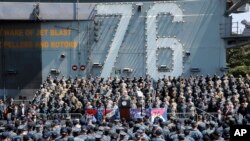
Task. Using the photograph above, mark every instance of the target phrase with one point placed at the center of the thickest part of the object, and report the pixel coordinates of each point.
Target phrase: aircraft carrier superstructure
(83, 38)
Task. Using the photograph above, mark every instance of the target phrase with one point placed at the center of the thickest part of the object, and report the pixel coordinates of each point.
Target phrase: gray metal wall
(21, 64)
(30, 50)
(195, 26)
(199, 34)
(80, 33)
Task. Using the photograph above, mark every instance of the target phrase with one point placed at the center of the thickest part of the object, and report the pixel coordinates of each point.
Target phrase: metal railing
(61, 116)
(208, 114)
(17, 102)
(231, 29)
(182, 115)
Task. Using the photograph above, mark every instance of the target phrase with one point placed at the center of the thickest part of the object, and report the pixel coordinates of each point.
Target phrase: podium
(124, 113)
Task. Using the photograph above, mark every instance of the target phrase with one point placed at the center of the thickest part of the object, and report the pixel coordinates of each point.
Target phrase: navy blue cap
(84, 128)
(18, 139)
(181, 137)
(146, 116)
(226, 130)
(26, 137)
(201, 127)
(218, 132)
(139, 131)
(142, 128)
(71, 139)
(54, 134)
(188, 128)
(9, 127)
(64, 130)
(137, 135)
(158, 132)
(75, 121)
(56, 122)
(5, 135)
(30, 135)
(31, 125)
(212, 123)
(69, 129)
(46, 134)
(82, 121)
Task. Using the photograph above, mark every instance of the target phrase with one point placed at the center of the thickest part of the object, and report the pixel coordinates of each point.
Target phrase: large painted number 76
(153, 44)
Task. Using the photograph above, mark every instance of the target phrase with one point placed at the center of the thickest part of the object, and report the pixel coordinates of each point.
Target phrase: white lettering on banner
(125, 10)
(153, 44)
